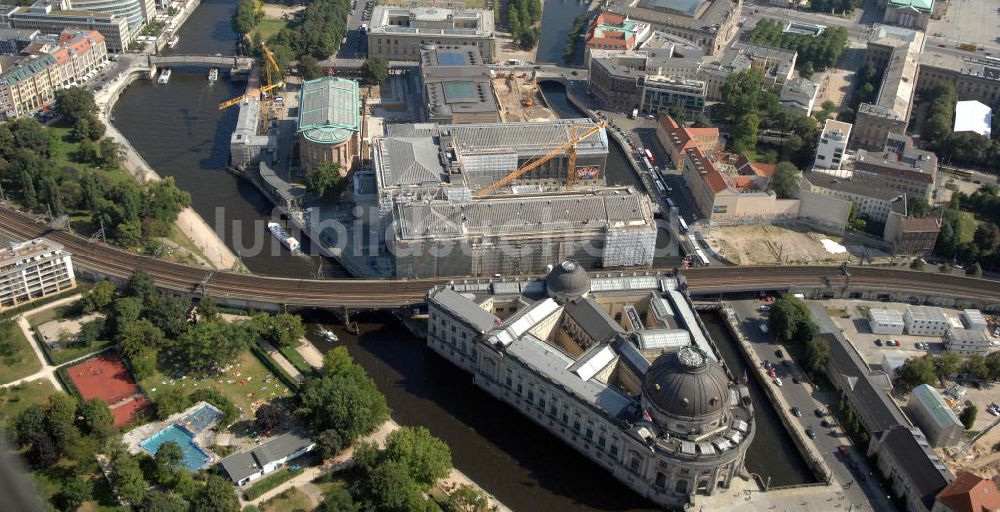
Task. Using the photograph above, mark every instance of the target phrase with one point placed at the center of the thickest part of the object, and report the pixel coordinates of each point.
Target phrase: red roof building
(968, 493)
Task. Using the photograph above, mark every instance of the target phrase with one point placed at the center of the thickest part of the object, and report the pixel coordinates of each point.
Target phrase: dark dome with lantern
(567, 280)
(686, 384)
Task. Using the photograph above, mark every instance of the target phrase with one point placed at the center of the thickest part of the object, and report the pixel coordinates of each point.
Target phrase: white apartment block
(885, 321)
(925, 321)
(966, 342)
(32, 270)
(831, 148)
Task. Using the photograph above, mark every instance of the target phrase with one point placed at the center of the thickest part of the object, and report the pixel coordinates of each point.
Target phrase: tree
(207, 346)
(968, 417)
(947, 364)
(216, 496)
(247, 15)
(268, 417)
(29, 425)
(791, 320)
(168, 313)
(741, 93)
(140, 286)
(917, 264)
(918, 206)
(976, 365)
(785, 180)
(74, 493)
(96, 418)
(337, 499)
(916, 371)
(281, 330)
(170, 401)
(309, 67)
(207, 309)
(86, 152)
(329, 443)
(139, 342)
(375, 70)
(817, 354)
(425, 457)
(60, 420)
(975, 270)
(167, 460)
(98, 297)
(75, 103)
(325, 181)
(165, 201)
(43, 452)
(111, 153)
(987, 238)
(392, 488)
(993, 363)
(126, 476)
(745, 133)
(159, 501)
(807, 70)
(343, 398)
(469, 499)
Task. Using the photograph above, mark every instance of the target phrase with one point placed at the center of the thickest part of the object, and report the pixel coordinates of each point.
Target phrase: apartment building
(832, 147)
(925, 321)
(900, 167)
(398, 33)
(32, 270)
(52, 18)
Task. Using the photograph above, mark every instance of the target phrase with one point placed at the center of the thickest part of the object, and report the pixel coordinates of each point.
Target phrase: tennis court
(104, 377)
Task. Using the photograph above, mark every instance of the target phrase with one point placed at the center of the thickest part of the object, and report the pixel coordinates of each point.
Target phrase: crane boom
(234, 101)
(570, 144)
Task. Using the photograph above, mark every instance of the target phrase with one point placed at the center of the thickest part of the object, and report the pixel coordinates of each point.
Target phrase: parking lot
(968, 21)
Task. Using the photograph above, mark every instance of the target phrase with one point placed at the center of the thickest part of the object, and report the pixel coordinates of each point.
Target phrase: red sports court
(105, 377)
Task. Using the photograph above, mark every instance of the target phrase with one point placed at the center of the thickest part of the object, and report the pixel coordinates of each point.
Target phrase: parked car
(779, 354)
(810, 433)
(819, 413)
(796, 379)
(878, 342)
(777, 381)
(763, 327)
(796, 412)
(825, 424)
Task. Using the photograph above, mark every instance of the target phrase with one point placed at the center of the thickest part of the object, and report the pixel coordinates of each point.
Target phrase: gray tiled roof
(593, 319)
(408, 161)
(914, 461)
(464, 308)
(240, 465)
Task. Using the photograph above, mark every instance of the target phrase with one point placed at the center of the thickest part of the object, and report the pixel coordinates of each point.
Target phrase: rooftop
(913, 5)
(914, 458)
(837, 130)
(689, 8)
(970, 493)
(973, 116)
(937, 410)
(439, 21)
(708, 15)
(830, 182)
(926, 313)
(241, 465)
(329, 110)
(15, 253)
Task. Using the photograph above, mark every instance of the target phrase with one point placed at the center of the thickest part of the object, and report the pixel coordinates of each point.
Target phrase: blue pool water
(194, 457)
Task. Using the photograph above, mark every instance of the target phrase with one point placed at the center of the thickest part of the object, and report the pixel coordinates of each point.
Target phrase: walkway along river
(179, 131)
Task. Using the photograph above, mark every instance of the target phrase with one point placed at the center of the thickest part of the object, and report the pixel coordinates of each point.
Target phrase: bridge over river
(208, 61)
(263, 292)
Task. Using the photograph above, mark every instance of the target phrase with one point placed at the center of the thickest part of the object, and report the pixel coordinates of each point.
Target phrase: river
(179, 131)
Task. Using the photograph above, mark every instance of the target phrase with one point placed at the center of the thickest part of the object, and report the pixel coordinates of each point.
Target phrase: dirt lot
(763, 245)
(520, 99)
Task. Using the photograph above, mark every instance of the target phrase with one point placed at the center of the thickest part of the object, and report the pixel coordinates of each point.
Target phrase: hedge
(269, 482)
(37, 303)
(266, 359)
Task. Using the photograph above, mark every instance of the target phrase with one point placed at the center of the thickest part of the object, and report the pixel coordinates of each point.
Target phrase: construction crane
(579, 132)
(266, 103)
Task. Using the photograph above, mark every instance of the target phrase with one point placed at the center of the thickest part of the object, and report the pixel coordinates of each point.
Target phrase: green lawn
(15, 399)
(19, 360)
(288, 501)
(67, 354)
(60, 313)
(296, 359)
(968, 226)
(268, 27)
(252, 373)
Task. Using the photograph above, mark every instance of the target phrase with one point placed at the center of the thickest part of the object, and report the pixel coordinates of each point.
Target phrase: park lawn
(288, 501)
(251, 371)
(268, 27)
(63, 312)
(296, 359)
(21, 360)
(968, 223)
(15, 399)
(76, 351)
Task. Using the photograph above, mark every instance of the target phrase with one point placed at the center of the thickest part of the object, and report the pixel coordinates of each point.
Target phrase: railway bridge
(101, 261)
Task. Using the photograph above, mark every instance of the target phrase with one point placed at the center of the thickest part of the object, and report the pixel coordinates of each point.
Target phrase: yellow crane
(579, 132)
(266, 88)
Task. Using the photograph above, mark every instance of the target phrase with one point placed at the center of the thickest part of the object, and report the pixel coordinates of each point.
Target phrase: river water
(179, 131)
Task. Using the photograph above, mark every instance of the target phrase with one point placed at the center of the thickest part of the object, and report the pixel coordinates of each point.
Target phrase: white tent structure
(973, 116)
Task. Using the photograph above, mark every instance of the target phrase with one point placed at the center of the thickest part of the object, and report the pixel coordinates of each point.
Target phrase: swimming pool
(201, 418)
(194, 457)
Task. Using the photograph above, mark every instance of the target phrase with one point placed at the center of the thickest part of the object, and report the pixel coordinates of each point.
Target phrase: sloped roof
(970, 493)
(915, 5)
(408, 161)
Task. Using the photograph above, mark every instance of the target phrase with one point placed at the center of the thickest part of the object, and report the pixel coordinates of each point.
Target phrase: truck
(635, 113)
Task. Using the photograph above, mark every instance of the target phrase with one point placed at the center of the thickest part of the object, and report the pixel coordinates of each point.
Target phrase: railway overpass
(101, 261)
(207, 61)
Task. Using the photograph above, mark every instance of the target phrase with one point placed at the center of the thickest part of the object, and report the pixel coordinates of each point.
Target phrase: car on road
(993, 409)
(770, 373)
(810, 433)
(878, 342)
(819, 413)
(768, 365)
(777, 381)
(779, 354)
(796, 412)
(825, 424)
(796, 379)
(764, 309)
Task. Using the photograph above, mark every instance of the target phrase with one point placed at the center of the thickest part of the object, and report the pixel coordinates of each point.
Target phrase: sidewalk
(282, 361)
(47, 371)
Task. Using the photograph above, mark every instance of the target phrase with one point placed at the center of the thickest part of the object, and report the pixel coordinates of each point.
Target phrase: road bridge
(102, 261)
(208, 61)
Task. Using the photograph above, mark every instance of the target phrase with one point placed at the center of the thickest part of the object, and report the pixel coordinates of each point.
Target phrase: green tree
(160, 501)
(43, 452)
(139, 342)
(60, 420)
(126, 476)
(787, 314)
(98, 297)
(207, 346)
(425, 457)
(947, 364)
(140, 286)
(785, 180)
(168, 313)
(111, 153)
(968, 417)
(469, 499)
(170, 401)
(325, 181)
(741, 93)
(343, 398)
(281, 330)
(329, 443)
(817, 355)
(165, 201)
(86, 152)
(375, 70)
(993, 363)
(75, 103)
(96, 418)
(28, 425)
(310, 68)
(216, 496)
(337, 499)
(976, 365)
(392, 488)
(917, 264)
(916, 371)
(247, 15)
(987, 238)
(75, 491)
(975, 270)
(745, 133)
(918, 206)
(167, 462)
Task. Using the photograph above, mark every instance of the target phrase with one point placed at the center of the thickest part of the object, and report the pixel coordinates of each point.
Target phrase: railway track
(360, 293)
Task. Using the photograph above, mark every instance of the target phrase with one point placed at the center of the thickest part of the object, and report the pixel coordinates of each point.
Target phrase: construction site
(520, 98)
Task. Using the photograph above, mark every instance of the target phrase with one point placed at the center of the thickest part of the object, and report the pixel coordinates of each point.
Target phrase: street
(847, 472)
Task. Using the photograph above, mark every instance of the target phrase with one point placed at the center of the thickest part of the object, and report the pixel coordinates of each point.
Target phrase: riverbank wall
(193, 226)
(813, 459)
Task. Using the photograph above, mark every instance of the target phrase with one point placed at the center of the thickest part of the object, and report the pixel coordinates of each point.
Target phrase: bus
(649, 155)
(702, 259)
(684, 225)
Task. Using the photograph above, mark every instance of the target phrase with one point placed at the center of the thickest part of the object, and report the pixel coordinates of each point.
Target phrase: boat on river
(164, 77)
(287, 240)
(213, 74)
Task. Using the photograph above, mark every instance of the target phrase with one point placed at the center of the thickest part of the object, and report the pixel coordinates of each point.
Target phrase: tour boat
(213, 74)
(287, 240)
(328, 335)
(173, 41)
(164, 77)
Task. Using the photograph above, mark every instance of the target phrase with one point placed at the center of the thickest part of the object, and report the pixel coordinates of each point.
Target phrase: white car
(777, 381)
(763, 327)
